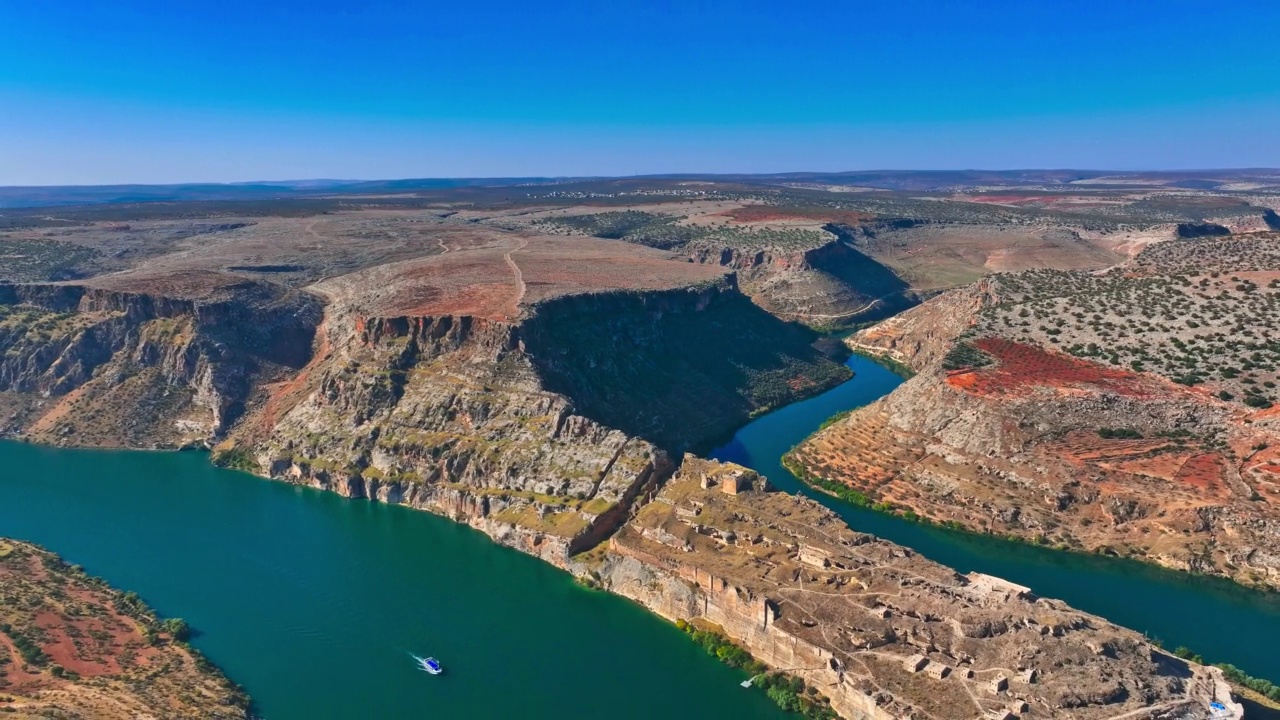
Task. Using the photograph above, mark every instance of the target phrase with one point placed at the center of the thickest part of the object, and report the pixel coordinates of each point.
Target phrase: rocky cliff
(540, 432)
(1020, 422)
(880, 631)
(94, 365)
(828, 284)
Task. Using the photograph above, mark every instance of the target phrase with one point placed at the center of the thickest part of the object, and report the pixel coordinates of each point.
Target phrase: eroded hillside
(71, 647)
(1125, 412)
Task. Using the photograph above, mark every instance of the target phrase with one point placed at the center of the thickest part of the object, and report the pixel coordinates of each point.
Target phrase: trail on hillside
(519, 275)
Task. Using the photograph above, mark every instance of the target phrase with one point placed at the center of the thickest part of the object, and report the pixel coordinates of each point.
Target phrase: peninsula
(72, 647)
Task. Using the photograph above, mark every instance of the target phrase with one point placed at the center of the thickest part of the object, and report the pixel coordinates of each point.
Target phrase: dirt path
(851, 313)
(520, 286)
(311, 230)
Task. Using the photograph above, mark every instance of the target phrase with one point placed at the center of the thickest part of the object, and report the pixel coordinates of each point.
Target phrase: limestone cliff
(539, 432)
(85, 364)
(882, 632)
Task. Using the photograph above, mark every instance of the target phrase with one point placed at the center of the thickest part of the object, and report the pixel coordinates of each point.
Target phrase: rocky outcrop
(921, 336)
(882, 632)
(88, 359)
(829, 284)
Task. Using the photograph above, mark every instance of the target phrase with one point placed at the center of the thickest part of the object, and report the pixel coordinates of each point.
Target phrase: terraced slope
(1126, 412)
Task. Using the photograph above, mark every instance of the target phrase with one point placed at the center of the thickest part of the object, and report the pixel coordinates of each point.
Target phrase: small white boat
(428, 665)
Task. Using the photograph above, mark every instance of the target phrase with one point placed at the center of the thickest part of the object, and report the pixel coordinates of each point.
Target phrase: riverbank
(72, 646)
(1158, 602)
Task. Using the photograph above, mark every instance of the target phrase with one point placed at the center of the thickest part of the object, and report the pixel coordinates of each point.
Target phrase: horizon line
(654, 176)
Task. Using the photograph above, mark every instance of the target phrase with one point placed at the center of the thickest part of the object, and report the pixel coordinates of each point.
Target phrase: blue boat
(428, 665)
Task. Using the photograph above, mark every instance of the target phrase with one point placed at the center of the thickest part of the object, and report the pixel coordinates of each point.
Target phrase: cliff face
(880, 631)
(92, 366)
(541, 432)
(828, 284)
(448, 414)
(679, 368)
(71, 647)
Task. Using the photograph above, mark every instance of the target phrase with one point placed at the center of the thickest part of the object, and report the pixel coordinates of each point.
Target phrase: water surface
(314, 602)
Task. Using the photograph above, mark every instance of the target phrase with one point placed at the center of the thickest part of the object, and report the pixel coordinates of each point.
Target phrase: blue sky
(128, 91)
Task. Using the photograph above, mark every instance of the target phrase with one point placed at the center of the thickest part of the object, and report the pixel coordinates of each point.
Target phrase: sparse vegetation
(1187, 310)
(667, 232)
(965, 356)
(1263, 687)
(788, 691)
(1119, 434)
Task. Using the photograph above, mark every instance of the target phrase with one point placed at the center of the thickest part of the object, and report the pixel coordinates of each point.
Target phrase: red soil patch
(62, 649)
(12, 672)
(1203, 472)
(1163, 467)
(290, 392)
(765, 213)
(1088, 447)
(1022, 367)
(493, 282)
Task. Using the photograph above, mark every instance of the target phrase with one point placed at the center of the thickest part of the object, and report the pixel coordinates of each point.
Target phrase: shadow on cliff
(870, 278)
(678, 367)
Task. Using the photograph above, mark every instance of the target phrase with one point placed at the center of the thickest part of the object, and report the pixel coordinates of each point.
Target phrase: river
(313, 602)
(1222, 621)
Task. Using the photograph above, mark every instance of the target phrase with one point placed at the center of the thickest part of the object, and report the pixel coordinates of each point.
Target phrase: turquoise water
(314, 602)
(1220, 620)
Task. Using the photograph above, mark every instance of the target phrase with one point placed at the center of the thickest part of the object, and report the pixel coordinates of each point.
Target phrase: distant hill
(901, 180)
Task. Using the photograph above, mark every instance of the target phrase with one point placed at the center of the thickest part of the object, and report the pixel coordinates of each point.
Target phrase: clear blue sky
(128, 91)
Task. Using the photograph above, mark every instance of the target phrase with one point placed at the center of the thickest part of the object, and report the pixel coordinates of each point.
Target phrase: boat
(428, 665)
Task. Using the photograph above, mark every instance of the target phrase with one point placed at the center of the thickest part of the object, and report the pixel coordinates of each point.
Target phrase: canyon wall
(93, 366)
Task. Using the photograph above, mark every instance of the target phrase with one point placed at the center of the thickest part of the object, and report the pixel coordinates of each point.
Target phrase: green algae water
(313, 602)
(1218, 619)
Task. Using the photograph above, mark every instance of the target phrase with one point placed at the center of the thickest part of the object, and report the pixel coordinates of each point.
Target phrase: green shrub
(236, 459)
(964, 356)
(177, 627)
(1119, 434)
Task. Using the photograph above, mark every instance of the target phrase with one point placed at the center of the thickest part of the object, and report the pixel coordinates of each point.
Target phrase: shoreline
(516, 537)
(571, 564)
